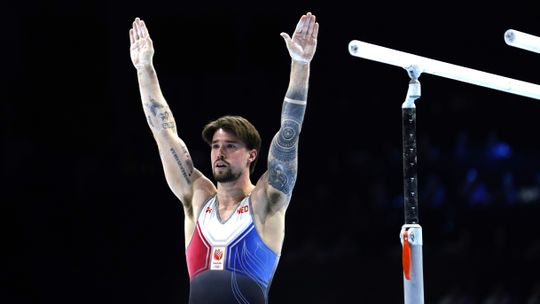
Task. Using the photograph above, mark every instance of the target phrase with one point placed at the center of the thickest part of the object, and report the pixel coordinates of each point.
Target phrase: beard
(226, 176)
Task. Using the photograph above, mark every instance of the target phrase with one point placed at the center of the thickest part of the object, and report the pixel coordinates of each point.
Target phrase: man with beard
(234, 230)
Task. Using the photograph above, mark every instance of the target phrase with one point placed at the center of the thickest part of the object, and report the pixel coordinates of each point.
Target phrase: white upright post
(411, 231)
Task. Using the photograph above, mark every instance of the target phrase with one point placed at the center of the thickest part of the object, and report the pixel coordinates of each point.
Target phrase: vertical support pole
(411, 231)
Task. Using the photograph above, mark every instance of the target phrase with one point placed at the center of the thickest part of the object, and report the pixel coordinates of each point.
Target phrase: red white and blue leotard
(227, 261)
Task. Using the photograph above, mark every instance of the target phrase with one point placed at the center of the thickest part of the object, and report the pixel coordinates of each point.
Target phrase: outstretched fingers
(131, 36)
(139, 30)
(312, 25)
(308, 21)
(315, 31)
(144, 29)
(306, 27)
(300, 25)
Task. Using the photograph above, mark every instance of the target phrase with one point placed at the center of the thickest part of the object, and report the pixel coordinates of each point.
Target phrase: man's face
(230, 158)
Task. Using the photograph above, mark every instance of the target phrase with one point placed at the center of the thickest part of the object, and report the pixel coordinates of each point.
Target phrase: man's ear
(252, 155)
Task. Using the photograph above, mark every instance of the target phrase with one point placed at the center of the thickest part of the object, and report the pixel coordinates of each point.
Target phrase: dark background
(89, 218)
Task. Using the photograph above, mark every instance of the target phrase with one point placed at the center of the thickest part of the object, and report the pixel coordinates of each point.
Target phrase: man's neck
(229, 194)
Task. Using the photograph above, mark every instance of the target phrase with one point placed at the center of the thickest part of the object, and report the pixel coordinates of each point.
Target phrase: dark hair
(238, 126)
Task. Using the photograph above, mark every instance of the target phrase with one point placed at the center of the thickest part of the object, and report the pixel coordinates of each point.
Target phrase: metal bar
(439, 68)
(522, 40)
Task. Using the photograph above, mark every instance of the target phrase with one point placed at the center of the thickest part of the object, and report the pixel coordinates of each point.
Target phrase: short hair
(238, 126)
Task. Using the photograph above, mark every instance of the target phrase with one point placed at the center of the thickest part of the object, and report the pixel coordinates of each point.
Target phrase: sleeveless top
(227, 261)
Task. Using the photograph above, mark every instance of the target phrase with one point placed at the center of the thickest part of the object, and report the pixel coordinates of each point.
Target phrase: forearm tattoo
(186, 166)
(282, 160)
(159, 116)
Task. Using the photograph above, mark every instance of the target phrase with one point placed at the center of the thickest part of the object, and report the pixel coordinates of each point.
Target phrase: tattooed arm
(273, 192)
(282, 157)
(187, 183)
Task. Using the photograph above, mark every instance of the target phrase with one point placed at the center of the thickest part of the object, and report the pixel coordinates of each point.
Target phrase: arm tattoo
(297, 94)
(186, 170)
(282, 160)
(154, 106)
(161, 115)
(168, 125)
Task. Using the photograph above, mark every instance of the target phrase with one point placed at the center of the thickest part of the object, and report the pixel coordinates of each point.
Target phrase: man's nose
(221, 154)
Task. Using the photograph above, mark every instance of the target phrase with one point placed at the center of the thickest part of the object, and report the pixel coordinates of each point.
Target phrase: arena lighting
(522, 40)
(439, 68)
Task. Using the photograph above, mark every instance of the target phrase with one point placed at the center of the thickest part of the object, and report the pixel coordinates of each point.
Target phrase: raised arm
(282, 157)
(183, 179)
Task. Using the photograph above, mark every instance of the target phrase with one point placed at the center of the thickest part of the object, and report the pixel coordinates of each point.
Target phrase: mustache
(221, 159)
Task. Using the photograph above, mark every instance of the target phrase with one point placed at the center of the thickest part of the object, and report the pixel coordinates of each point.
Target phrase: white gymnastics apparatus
(522, 40)
(411, 231)
(439, 68)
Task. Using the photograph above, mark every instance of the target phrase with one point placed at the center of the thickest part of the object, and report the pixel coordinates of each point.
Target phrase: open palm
(303, 43)
(141, 49)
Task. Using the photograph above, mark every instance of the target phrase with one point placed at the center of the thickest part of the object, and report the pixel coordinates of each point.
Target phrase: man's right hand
(142, 49)
(303, 43)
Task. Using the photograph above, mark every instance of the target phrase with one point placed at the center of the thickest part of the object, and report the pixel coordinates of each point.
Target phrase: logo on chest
(242, 209)
(218, 258)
